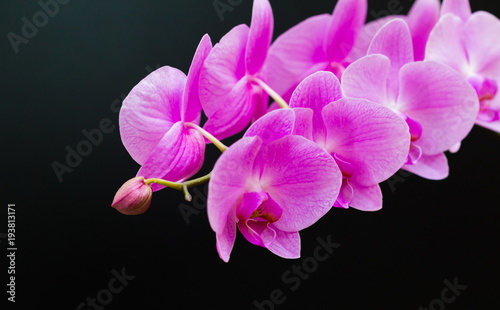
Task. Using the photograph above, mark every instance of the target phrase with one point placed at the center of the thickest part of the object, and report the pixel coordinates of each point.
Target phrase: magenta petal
(367, 78)
(394, 41)
(432, 167)
(231, 175)
(296, 54)
(260, 36)
(150, 110)
(366, 198)
(460, 8)
(482, 40)
(366, 36)
(315, 92)
(236, 111)
(285, 244)
(445, 44)
(302, 178)
(178, 156)
(222, 69)
(347, 21)
(272, 126)
(371, 138)
(422, 18)
(191, 105)
(226, 239)
(441, 101)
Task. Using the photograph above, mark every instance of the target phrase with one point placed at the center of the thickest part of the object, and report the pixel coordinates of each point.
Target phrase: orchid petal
(482, 40)
(347, 21)
(150, 110)
(223, 68)
(371, 138)
(230, 176)
(260, 36)
(235, 113)
(366, 35)
(460, 8)
(431, 167)
(178, 156)
(366, 198)
(285, 244)
(367, 78)
(226, 239)
(441, 100)
(315, 92)
(422, 18)
(296, 54)
(445, 44)
(302, 178)
(191, 105)
(394, 41)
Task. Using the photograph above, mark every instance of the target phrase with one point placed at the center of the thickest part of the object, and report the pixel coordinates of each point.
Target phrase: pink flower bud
(134, 197)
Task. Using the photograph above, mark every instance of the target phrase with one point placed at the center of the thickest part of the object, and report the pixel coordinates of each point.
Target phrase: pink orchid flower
(319, 43)
(421, 19)
(153, 122)
(229, 83)
(470, 44)
(438, 104)
(369, 142)
(270, 190)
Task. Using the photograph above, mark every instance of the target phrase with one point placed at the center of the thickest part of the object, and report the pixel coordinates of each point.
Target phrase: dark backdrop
(72, 75)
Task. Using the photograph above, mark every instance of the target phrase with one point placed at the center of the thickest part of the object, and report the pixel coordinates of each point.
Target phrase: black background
(67, 79)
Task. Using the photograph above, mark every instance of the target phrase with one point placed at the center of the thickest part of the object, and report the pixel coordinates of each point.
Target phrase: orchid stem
(209, 136)
(276, 97)
(184, 186)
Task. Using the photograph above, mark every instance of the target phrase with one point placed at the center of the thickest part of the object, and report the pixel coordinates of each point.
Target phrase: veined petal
(445, 44)
(460, 8)
(260, 36)
(232, 176)
(441, 100)
(296, 54)
(178, 156)
(422, 18)
(225, 239)
(394, 41)
(366, 36)
(285, 244)
(223, 68)
(235, 112)
(315, 92)
(367, 78)
(150, 110)
(431, 167)
(272, 126)
(191, 105)
(371, 138)
(347, 21)
(481, 37)
(302, 178)
(366, 198)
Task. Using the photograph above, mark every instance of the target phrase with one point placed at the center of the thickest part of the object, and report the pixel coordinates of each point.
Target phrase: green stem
(207, 135)
(184, 186)
(276, 97)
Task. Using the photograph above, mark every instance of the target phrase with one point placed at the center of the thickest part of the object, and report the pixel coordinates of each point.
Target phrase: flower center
(486, 90)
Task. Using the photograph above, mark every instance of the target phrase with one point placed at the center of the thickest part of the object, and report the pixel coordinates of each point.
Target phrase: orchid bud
(134, 197)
